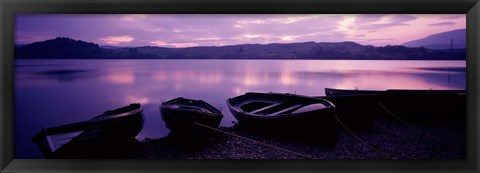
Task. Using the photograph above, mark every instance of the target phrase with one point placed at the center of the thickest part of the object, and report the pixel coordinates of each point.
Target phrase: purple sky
(187, 30)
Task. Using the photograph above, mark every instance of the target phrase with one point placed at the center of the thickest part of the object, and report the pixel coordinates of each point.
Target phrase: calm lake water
(55, 92)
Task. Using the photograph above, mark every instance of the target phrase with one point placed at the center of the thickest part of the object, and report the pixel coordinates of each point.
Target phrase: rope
(411, 126)
(255, 141)
(358, 138)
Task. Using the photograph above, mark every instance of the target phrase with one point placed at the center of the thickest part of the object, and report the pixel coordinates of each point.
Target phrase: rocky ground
(386, 139)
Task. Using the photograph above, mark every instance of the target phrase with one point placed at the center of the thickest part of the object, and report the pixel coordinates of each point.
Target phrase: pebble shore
(387, 139)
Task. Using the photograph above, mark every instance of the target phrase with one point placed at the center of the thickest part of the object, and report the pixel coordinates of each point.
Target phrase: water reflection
(54, 95)
(401, 81)
(214, 77)
(205, 77)
(160, 75)
(253, 78)
(137, 99)
(287, 78)
(61, 75)
(120, 77)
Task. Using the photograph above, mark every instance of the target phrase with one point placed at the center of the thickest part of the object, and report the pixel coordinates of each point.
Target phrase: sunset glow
(116, 40)
(190, 30)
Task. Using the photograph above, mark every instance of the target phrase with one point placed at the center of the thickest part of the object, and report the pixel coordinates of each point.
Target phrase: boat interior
(271, 108)
(119, 111)
(191, 107)
(189, 104)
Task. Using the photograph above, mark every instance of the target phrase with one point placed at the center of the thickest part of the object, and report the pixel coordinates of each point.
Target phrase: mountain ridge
(442, 40)
(67, 48)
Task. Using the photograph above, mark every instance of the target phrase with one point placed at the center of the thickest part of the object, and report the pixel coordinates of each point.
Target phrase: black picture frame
(9, 8)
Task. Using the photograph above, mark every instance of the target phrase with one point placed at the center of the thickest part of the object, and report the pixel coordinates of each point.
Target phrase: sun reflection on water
(125, 77)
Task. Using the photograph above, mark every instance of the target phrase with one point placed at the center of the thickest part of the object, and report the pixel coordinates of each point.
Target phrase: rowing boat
(333, 91)
(286, 115)
(185, 117)
(84, 139)
(357, 111)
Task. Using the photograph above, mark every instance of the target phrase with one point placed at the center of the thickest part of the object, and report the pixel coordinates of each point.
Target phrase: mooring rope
(361, 140)
(255, 141)
(411, 126)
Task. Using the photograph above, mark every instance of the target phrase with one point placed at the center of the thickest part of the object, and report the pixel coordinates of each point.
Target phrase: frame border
(8, 9)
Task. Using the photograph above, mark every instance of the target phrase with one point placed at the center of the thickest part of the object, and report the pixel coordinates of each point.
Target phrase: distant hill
(441, 40)
(67, 48)
(59, 48)
(110, 47)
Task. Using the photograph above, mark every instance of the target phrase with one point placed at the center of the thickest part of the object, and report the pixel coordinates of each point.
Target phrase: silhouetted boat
(356, 111)
(333, 91)
(423, 106)
(82, 138)
(183, 116)
(286, 115)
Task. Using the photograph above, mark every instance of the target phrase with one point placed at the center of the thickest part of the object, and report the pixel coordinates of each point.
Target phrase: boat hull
(336, 92)
(315, 125)
(356, 111)
(435, 107)
(423, 106)
(188, 118)
(96, 138)
(184, 122)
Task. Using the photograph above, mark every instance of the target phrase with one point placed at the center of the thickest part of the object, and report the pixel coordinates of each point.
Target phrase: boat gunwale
(83, 124)
(280, 116)
(192, 111)
(390, 90)
(215, 112)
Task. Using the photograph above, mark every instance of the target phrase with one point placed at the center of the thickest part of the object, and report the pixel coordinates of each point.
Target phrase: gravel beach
(386, 139)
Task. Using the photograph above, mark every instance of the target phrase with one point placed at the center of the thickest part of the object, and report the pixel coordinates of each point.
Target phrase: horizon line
(104, 45)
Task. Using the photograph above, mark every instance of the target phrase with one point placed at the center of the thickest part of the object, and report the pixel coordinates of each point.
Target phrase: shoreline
(387, 139)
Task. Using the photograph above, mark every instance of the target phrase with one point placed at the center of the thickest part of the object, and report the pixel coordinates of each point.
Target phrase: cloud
(249, 22)
(380, 26)
(368, 18)
(207, 38)
(115, 40)
(377, 21)
(359, 35)
(133, 17)
(402, 18)
(380, 39)
(175, 45)
(272, 19)
(291, 29)
(248, 36)
(288, 37)
(442, 24)
(451, 17)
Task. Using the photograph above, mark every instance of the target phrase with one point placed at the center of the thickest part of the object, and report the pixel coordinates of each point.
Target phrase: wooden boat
(181, 116)
(333, 91)
(424, 106)
(356, 111)
(85, 139)
(419, 106)
(286, 115)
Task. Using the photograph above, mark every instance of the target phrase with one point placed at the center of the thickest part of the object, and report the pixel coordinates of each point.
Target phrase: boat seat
(265, 108)
(310, 107)
(195, 108)
(286, 109)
